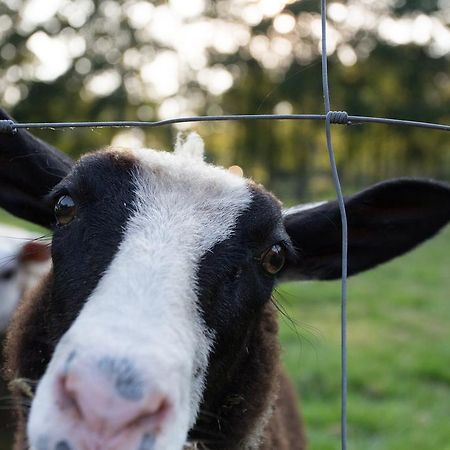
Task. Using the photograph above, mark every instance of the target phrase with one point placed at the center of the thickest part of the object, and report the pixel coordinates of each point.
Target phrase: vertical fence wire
(340, 198)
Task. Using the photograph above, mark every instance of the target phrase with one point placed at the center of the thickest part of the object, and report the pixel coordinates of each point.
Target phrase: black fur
(82, 250)
(233, 292)
(232, 283)
(29, 168)
(384, 221)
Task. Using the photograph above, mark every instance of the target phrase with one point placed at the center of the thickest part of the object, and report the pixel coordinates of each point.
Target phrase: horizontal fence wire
(337, 117)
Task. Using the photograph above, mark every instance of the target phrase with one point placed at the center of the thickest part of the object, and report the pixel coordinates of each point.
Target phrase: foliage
(238, 56)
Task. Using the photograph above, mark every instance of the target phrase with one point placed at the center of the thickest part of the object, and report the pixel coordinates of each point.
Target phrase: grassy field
(399, 353)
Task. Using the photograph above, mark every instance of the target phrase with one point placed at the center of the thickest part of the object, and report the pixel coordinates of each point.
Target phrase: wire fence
(336, 117)
(330, 117)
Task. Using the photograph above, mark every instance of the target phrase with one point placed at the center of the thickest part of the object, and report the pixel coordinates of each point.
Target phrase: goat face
(162, 265)
(157, 258)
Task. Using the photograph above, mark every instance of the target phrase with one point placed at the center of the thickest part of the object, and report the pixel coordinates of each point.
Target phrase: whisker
(205, 431)
(12, 399)
(294, 325)
(38, 238)
(7, 259)
(284, 296)
(204, 412)
(202, 445)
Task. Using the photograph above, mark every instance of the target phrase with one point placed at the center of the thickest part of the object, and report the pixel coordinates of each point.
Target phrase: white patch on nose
(145, 306)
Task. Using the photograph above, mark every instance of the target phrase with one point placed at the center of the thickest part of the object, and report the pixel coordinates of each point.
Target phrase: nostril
(67, 396)
(98, 405)
(153, 415)
(62, 445)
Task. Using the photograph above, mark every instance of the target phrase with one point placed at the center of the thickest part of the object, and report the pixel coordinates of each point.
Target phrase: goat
(154, 329)
(23, 261)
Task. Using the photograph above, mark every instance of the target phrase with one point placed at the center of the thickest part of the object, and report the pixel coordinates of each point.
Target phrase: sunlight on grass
(399, 353)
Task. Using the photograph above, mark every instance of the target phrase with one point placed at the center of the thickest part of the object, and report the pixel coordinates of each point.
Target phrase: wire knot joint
(8, 127)
(340, 117)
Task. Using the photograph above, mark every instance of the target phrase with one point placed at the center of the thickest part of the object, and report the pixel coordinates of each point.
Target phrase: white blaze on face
(145, 306)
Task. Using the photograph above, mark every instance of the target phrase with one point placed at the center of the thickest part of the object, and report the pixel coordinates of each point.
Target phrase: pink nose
(111, 398)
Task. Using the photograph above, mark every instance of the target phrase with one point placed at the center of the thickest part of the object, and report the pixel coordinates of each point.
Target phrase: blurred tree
(102, 60)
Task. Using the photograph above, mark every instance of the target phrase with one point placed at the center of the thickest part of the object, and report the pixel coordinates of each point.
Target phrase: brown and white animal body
(154, 330)
(23, 261)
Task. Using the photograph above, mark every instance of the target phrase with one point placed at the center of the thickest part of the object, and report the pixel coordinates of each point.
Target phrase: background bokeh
(67, 60)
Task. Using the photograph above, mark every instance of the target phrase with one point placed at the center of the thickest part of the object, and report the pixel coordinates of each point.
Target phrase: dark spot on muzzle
(148, 442)
(123, 374)
(62, 445)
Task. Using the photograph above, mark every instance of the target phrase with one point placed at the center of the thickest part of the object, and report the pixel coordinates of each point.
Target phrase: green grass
(8, 219)
(399, 353)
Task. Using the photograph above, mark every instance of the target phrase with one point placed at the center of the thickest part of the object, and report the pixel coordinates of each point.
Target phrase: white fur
(145, 306)
(191, 147)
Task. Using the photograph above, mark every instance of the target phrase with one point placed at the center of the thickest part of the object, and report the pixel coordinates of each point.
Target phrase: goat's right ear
(384, 221)
(29, 169)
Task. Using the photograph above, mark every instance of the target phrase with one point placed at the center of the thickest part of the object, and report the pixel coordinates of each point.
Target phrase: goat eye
(272, 261)
(65, 210)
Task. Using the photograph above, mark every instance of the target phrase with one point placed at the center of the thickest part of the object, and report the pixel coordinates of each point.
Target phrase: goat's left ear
(29, 169)
(384, 221)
